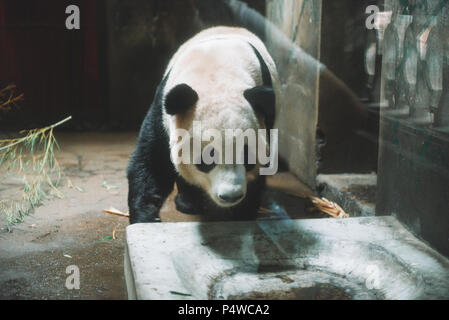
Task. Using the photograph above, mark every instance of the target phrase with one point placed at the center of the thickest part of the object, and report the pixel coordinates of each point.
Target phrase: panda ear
(179, 99)
(262, 99)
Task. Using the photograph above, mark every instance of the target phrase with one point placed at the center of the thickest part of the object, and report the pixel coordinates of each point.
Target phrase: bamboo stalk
(116, 212)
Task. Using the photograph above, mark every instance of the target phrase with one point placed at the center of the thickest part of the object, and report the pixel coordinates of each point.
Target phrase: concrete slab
(354, 258)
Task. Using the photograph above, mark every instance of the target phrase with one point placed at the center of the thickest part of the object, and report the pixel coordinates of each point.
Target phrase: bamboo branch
(41, 172)
(7, 97)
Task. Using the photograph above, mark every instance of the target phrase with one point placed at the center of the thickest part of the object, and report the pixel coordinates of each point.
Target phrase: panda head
(203, 115)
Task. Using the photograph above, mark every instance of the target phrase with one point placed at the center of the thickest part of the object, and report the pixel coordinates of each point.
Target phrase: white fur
(219, 64)
(227, 180)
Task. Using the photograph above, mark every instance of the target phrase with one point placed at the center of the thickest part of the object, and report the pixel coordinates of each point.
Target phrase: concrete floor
(68, 231)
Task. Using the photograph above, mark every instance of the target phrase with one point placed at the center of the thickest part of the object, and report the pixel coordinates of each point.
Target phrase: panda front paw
(153, 220)
(144, 214)
(144, 219)
(186, 206)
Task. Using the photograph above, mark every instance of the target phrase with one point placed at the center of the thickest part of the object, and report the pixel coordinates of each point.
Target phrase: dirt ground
(72, 230)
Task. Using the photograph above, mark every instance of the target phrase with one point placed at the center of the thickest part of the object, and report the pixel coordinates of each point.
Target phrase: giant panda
(223, 78)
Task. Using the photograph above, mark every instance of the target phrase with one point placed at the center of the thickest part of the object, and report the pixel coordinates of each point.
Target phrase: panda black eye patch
(204, 167)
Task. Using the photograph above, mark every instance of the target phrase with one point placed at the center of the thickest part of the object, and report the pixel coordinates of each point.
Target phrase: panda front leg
(189, 198)
(146, 196)
(151, 175)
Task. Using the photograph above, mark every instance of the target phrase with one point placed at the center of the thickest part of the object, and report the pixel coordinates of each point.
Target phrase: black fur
(262, 98)
(151, 174)
(189, 199)
(266, 77)
(179, 99)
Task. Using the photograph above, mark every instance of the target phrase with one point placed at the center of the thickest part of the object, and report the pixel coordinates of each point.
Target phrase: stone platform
(354, 258)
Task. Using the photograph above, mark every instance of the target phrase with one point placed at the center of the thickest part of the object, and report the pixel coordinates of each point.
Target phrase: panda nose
(231, 197)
